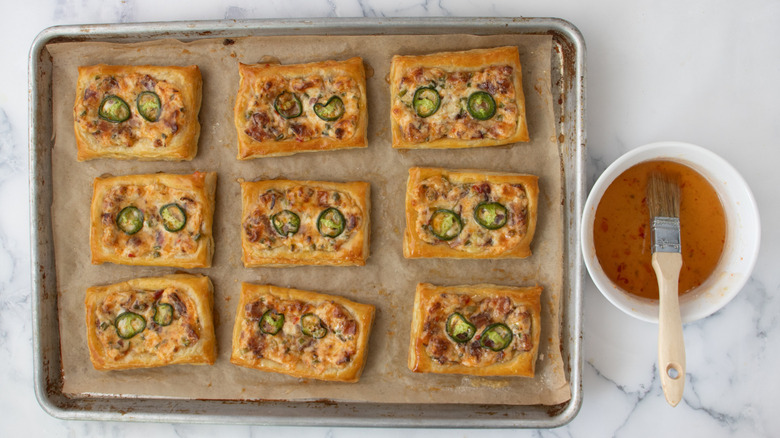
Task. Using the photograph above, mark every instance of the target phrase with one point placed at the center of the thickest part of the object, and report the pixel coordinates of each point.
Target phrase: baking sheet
(386, 377)
(568, 76)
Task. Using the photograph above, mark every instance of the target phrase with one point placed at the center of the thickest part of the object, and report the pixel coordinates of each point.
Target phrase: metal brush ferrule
(665, 232)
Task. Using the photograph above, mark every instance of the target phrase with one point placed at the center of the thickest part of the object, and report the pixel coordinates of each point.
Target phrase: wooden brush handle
(671, 346)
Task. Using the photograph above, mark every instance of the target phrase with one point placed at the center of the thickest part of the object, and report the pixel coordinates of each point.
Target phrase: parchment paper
(387, 281)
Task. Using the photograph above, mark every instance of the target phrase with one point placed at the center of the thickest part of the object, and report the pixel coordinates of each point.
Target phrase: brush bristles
(663, 196)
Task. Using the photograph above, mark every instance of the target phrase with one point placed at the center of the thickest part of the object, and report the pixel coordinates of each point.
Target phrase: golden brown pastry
(302, 334)
(155, 220)
(469, 214)
(151, 322)
(481, 330)
(457, 99)
(140, 112)
(305, 223)
(286, 109)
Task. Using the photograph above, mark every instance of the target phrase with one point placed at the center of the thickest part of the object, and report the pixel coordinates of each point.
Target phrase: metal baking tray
(568, 87)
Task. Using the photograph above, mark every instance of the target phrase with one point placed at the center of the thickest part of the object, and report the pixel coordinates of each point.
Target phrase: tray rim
(60, 406)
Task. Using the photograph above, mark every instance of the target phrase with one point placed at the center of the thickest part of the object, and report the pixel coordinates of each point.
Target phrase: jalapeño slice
(331, 111)
(286, 223)
(491, 215)
(330, 222)
(173, 217)
(481, 105)
(163, 314)
(288, 105)
(113, 109)
(445, 224)
(130, 219)
(311, 325)
(129, 324)
(459, 329)
(496, 337)
(149, 106)
(271, 322)
(426, 101)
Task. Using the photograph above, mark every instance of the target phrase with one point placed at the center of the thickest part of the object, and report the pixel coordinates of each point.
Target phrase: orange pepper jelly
(621, 229)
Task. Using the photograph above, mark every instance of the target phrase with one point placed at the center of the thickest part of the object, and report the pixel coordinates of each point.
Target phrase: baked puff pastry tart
(137, 112)
(469, 214)
(457, 99)
(481, 330)
(286, 109)
(301, 333)
(151, 322)
(288, 223)
(154, 220)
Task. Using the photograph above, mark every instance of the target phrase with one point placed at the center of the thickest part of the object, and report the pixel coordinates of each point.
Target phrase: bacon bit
(256, 344)
(254, 310)
(257, 226)
(482, 189)
(475, 349)
(191, 333)
(178, 304)
(89, 93)
(502, 305)
(490, 87)
(344, 359)
(504, 85)
(417, 74)
(148, 82)
(322, 198)
(301, 131)
(350, 327)
(524, 342)
(480, 319)
(299, 86)
(351, 222)
(459, 77)
(438, 348)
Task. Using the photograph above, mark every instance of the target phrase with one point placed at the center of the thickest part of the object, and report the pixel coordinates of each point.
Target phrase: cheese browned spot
(308, 203)
(452, 119)
(436, 193)
(290, 346)
(263, 123)
(481, 312)
(128, 87)
(152, 240)
(160, 341)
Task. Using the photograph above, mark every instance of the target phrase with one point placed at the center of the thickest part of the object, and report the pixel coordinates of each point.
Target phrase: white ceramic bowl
(743, 232)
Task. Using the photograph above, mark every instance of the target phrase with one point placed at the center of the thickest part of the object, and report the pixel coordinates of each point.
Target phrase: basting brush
(663, 202)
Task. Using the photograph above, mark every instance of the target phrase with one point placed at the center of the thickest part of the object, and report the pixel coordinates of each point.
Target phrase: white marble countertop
(696, 71)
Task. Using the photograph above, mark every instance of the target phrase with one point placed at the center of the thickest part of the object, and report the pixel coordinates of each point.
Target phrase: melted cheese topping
(481, 313)
(452, 119)
(263, 123)
(438, 193)
(152, 240)
(163, 342)
(160, 133)
(289, 346)
(307, 203)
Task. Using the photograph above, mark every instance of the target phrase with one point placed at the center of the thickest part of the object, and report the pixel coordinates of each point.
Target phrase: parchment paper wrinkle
(387, 281)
